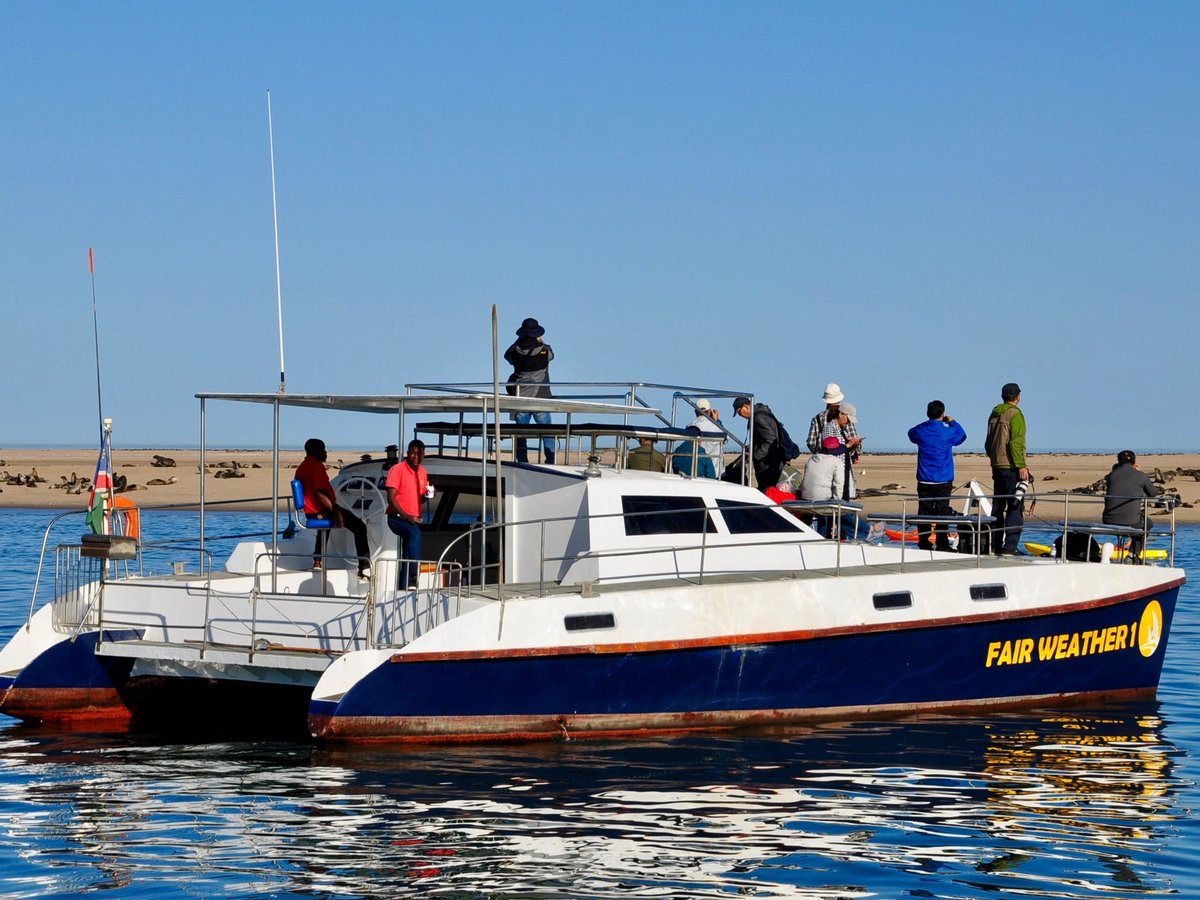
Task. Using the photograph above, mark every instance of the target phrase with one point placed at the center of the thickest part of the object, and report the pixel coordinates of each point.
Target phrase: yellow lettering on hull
(1069, 645)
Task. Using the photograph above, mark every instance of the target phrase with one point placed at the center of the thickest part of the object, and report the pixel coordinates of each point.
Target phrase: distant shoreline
(236, 475)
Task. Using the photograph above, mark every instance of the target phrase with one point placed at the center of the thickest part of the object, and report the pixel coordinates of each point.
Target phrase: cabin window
(893, 600)
(666, 515)
(590, 622)
(459, 503)
(755, 518)
(989, 592)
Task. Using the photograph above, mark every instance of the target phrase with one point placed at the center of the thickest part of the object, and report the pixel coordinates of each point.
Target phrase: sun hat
(833, 393)
(850, 411)
(530, 328)
(703, 404)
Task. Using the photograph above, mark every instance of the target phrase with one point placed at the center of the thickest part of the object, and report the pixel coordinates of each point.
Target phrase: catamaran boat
(577, 599)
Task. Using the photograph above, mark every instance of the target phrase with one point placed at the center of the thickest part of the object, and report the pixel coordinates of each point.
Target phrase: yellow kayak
(1118, 552)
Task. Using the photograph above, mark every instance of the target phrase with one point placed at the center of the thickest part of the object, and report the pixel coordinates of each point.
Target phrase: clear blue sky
(915, 200)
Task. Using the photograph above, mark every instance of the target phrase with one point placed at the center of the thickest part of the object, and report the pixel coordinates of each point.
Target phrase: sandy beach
(243, 480)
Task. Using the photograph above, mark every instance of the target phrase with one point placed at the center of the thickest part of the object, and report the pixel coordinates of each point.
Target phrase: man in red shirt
(407, 486)
(320, 499)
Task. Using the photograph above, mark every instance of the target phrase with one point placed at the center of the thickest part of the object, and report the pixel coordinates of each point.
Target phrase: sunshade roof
(434, 403)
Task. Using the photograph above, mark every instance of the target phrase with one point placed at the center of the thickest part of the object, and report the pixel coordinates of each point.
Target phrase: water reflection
(1065, 803)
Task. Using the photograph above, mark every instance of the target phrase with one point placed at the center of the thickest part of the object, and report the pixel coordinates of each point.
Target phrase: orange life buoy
(124, 517)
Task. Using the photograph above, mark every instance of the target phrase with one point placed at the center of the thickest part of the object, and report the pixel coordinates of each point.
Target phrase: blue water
(1074, 802)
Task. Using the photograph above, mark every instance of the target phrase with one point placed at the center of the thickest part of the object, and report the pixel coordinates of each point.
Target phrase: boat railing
(677, 402)
(1071, 506)
(37, 578)
(1070, 513)
(690, 553)
(78, 588)
(700, 542)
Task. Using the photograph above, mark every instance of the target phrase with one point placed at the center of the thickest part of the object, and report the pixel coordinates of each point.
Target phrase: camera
(1019, 491)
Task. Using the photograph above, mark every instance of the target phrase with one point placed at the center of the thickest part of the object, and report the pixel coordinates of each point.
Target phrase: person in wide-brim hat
(530, 328)
(530, 358)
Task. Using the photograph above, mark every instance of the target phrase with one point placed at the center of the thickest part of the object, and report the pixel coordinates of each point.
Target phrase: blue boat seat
(310, 520)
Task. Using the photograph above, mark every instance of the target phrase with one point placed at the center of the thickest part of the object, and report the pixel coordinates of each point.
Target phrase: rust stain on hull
(65, 705)
(522, 729)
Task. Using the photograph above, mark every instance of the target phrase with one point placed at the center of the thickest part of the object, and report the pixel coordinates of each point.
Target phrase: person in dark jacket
(936, 439)
(530, 358)
(765, 453)
(1125, 488)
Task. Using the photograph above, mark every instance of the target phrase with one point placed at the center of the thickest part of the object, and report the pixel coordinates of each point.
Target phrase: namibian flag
(101, 488)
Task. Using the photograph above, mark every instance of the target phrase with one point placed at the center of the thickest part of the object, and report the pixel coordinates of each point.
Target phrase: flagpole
(98, 519)
(96, 336)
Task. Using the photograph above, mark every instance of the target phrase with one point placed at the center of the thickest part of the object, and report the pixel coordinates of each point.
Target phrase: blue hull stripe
(1100, 650)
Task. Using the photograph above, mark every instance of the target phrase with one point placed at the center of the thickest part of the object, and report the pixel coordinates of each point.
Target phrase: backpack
(1080, 546)
(787, 447)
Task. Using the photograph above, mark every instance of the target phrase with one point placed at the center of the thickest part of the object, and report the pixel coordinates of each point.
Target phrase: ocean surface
(1075, 802)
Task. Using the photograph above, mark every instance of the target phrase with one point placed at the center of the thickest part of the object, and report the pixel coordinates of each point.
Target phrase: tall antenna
(96, 334)
(275, 214)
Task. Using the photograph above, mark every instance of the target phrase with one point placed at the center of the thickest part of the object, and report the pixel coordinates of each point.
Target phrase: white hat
(850, 411)
(703, 404)
(833, 393)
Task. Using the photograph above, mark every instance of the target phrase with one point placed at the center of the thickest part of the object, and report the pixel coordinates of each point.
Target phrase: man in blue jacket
(936, 439)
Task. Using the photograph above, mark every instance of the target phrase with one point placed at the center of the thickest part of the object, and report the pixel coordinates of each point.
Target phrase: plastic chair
(311, 520)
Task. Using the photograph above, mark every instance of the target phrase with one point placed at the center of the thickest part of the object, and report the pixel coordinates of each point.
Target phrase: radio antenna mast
(275, 215)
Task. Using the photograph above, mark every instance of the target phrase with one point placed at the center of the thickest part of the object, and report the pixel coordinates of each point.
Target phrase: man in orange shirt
(320, 499)
(407, 486)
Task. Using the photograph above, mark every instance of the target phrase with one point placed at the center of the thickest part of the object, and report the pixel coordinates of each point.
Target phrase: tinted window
(988, 592)
(894, 600)
(590, 622)
(754, 518)
(665, 515)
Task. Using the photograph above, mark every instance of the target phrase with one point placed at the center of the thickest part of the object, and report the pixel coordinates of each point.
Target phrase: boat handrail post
(1146, 542)
(1066, 526)
(978, 536)
(837, 536)
(369, 639)
(208, 590)
(542, 559)
(275, 494)
(42, 558)
(203, 479)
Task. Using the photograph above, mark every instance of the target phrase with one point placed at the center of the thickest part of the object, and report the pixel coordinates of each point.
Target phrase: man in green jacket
(1005, 446)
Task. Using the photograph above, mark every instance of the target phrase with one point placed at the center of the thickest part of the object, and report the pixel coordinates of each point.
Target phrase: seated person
(825, 473)
(681, 458)
(1125, 488)
(645, 458)
(321, 500)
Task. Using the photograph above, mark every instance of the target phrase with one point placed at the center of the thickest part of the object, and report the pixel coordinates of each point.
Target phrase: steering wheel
(362, 496)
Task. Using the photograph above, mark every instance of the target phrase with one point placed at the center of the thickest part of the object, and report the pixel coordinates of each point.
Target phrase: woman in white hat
(834, 442)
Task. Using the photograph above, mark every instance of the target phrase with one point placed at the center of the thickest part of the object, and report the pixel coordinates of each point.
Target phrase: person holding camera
(936, 439)
(1005, 446)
